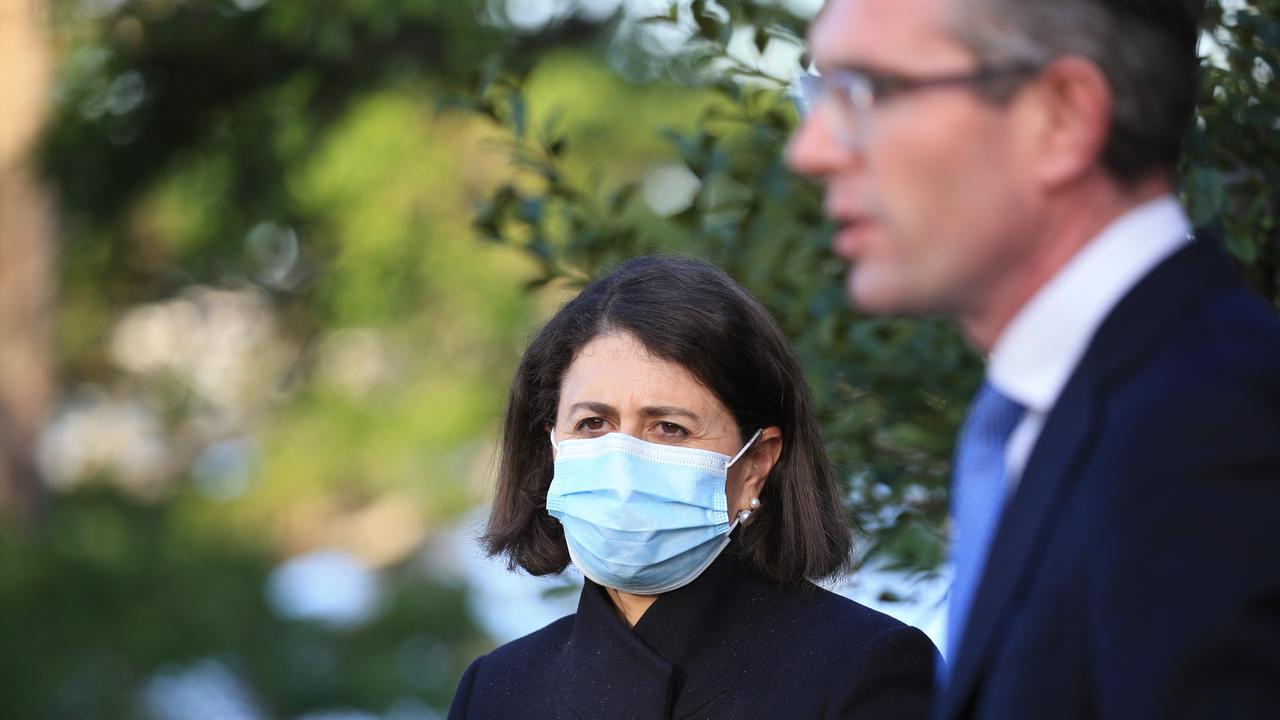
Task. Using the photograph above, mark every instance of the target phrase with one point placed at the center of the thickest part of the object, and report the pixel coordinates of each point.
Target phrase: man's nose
(813, 150)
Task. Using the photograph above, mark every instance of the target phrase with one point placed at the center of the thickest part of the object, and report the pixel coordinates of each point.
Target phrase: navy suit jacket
(1135, 572)
(728, 645)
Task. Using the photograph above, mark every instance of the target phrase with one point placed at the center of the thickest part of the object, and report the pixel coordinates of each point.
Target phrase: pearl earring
(744, 516)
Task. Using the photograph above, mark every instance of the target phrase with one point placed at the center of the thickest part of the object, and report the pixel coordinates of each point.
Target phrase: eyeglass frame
(864, 89)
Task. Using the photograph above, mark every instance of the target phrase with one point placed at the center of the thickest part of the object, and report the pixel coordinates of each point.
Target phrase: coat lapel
(700, 628)
(1124, 339)
(678, 658)
(607, 670)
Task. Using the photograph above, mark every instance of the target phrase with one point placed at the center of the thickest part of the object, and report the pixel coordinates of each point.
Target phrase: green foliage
(278, 194)
(891, 392)
(157, 89)
(114, 590)
(309, 161)
(1231, 171)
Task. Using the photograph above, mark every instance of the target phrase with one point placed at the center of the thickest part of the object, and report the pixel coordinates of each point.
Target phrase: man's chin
(870, 294)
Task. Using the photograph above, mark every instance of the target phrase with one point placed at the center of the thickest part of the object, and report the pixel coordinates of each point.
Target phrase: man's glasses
(852, 94)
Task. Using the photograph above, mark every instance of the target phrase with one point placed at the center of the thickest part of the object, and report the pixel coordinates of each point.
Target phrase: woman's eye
(591, 423)
(671, 429)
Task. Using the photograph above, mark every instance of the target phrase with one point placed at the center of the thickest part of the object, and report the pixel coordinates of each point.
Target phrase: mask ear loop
(743, 515)
(552, 434)
(744, 449)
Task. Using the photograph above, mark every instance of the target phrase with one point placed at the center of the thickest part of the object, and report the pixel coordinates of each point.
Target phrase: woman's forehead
(616, 369)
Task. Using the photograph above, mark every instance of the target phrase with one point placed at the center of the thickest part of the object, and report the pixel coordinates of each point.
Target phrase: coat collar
(678, 656)
(1122, 342)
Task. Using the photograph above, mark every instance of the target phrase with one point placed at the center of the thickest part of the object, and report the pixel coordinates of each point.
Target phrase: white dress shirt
(1036, 354)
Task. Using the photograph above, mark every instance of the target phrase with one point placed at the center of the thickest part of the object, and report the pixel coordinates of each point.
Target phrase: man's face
(928, 203)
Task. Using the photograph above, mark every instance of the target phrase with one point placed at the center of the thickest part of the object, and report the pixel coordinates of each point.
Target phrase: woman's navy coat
(728, 645)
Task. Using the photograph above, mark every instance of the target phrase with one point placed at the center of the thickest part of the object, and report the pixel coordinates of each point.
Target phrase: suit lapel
(1125, 338)
(1025, 520)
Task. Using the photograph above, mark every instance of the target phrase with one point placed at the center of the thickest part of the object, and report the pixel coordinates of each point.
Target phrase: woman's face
(616, 385)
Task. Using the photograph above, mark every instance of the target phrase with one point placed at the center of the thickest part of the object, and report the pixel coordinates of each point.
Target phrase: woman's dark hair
(693, 314)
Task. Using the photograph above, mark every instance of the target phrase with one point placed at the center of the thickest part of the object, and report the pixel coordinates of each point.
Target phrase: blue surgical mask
(641, 517)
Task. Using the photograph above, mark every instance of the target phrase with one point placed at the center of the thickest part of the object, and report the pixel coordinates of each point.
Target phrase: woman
(659, 436)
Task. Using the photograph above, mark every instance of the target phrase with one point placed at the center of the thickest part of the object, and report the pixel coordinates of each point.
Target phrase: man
(1009, 163)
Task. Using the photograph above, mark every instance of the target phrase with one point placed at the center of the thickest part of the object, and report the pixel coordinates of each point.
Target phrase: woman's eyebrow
(668, 410)
(598, 408)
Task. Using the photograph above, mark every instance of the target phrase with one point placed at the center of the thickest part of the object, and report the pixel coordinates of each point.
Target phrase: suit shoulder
(1215, 369)
(1193, 421)
(1233, 338)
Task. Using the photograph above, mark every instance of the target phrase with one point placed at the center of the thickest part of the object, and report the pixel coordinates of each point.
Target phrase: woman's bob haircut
(693, 314)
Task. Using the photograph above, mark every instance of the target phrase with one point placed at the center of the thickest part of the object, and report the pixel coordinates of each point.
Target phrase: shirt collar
(1033, 358)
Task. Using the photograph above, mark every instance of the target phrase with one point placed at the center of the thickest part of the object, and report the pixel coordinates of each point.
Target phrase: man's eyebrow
(856, 67)
(667, 410)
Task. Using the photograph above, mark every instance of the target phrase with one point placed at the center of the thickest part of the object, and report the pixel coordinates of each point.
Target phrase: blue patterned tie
(978, 490)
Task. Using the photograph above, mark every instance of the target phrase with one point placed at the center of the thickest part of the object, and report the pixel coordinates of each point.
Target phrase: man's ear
(1067, 111)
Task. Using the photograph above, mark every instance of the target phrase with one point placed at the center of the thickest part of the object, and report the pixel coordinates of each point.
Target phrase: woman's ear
(756, 465)
(550, 429)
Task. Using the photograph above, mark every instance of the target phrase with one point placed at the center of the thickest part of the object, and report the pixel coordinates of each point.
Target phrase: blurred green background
(267, 266)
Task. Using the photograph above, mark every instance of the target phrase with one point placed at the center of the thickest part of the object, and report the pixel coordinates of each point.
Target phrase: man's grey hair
(1145, 48)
